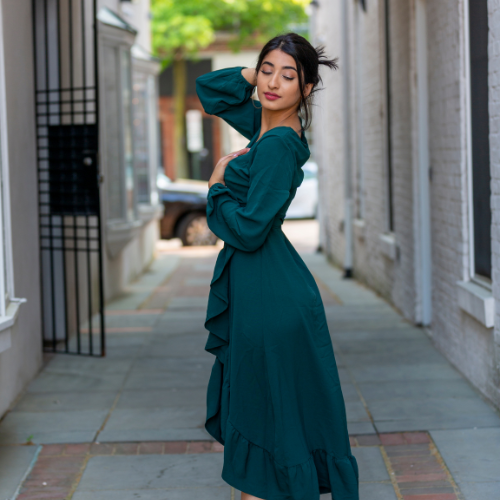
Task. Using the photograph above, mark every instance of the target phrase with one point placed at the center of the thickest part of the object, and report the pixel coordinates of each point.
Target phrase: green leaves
(182, 28)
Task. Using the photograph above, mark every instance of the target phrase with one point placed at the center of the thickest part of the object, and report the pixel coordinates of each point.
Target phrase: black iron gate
(67, 121)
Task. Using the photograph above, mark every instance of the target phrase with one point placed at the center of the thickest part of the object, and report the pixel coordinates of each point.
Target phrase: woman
(274, 397)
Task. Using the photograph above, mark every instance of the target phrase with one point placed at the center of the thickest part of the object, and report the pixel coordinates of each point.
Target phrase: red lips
(271, 97)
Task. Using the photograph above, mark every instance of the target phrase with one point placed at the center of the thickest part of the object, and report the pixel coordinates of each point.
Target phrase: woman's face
(278, 82)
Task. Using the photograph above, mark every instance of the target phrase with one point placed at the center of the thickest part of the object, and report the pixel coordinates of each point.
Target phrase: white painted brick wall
(471, 347)
(371, 266)
(394, 280)
(493, 381)
(328, 133)
(467, 343)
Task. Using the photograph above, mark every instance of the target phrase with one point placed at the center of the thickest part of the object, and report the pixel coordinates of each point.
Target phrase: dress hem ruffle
(322, 472)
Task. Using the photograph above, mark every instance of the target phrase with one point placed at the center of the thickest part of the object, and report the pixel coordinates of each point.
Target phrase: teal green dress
(274, 398)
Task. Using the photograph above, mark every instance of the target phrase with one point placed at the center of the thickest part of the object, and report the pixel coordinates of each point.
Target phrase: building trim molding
(477, 301)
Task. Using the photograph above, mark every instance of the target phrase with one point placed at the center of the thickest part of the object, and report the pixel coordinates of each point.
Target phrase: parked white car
(185, 204)
(305, 203)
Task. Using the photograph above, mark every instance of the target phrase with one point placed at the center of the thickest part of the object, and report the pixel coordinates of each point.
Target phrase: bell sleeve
(246, 226)
(226, 93)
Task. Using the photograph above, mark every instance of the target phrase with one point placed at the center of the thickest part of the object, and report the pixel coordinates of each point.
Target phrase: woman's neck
(283, 117)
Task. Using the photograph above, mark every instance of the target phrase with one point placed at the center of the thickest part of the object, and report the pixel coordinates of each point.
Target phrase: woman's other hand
(220, 168)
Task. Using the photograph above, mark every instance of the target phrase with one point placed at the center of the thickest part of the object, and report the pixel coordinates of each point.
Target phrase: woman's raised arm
(227, 93)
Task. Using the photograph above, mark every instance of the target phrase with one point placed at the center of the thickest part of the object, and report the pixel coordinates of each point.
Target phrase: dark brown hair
(308, 59)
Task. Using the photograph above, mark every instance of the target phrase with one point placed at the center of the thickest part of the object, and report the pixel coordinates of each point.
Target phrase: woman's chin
(272, 105)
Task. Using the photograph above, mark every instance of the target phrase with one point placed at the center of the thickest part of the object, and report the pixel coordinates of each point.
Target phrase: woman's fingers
(240, 152)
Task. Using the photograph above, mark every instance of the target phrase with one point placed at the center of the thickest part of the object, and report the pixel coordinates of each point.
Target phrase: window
(388, 90)
(121, 205)
(359, 63)
(145, 136)
(7, 297)
(479, 135)
(128, 151)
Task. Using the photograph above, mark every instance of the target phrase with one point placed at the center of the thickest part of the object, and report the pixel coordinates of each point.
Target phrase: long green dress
(274, 398)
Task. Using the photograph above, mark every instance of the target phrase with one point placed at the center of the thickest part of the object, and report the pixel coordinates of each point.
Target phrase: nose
(274, 81)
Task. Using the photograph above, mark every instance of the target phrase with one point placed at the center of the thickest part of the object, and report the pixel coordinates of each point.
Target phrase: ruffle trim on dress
(253, 470)
(217, 323)
(217, 320)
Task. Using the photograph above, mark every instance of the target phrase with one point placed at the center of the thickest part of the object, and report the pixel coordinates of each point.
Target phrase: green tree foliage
(182, 27)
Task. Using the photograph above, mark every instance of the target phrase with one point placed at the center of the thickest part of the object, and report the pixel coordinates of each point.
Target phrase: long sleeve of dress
(226, 93)
(246, 226)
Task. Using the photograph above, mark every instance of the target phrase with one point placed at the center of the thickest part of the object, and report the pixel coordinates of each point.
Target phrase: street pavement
(131, 425)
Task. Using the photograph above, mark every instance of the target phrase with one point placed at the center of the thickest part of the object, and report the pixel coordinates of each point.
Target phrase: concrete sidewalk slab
(15, 462)
(162, 398)
(156, 424)
(167, 379)
(202, 492)
(62, 381)
(472, 456)
(402, 372)
(190, 304)
(152, 472)
(18, 427)
(66, 401)
(371, 465)
(138, 292)
(420, 389)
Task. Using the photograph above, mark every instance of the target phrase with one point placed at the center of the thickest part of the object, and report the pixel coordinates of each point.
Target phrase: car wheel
(194, 231)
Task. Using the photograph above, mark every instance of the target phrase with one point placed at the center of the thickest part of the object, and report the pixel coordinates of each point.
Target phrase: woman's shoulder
(284, 139)
(281, 136)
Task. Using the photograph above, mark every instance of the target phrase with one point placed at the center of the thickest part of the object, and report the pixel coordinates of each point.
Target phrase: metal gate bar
(67, 125)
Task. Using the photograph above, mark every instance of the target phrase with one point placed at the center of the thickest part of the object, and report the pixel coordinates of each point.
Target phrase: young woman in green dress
(274, 398)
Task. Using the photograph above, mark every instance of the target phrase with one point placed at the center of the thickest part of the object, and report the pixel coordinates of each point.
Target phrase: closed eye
(270, 73)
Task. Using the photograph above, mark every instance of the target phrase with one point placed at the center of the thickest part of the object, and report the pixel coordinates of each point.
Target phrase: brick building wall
(447, 131)
(472, 347)
(370, 264)
(465, 341)
(393, 279)
(493, 382)
(167, 119)
(402, 140)
(328, 123)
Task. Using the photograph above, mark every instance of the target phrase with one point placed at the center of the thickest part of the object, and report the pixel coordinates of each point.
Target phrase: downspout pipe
(346, 118)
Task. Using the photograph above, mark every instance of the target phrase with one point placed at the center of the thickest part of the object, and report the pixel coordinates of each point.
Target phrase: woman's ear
(307, 89)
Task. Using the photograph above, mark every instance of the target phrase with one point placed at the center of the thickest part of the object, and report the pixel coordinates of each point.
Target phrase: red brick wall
(167, 131)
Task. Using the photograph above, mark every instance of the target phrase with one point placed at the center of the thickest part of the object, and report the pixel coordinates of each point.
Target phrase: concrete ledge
(6, 324)
(119, 234)
(149, 212)
(477, 301)
(388, 245)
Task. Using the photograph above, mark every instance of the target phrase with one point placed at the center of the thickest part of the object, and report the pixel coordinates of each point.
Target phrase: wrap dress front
(274, 398)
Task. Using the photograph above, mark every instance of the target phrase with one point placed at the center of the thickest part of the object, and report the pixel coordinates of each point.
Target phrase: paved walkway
(130, 426)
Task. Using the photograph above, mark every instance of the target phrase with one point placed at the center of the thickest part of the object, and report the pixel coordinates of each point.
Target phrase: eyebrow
(284, 67)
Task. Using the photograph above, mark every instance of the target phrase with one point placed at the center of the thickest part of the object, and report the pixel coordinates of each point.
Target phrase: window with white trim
(118, 128)
(479, 140)
(7, 296)
(388, 118)
(145, 135)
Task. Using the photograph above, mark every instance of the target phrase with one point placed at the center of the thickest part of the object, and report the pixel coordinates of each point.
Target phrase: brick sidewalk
(415, 468)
